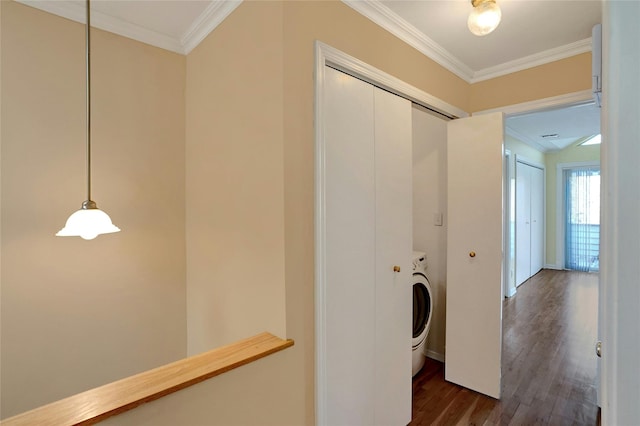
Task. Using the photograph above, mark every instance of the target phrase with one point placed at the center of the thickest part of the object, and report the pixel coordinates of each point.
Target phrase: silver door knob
(599, 349)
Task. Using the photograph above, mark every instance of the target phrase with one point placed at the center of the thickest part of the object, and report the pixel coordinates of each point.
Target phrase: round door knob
(472, 254)
(396, 268)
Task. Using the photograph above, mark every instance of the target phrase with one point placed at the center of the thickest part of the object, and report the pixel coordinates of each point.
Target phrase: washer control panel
(419, 261)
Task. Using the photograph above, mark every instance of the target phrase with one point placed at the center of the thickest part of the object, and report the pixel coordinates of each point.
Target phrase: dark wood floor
(548, 362)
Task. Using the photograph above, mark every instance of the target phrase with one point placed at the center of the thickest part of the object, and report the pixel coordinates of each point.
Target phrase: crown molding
(76, 12)
(390, 21)
(214, 14)
(540, 58)
(377, 12)
(207, 21)
(581, 97)
(525, 139)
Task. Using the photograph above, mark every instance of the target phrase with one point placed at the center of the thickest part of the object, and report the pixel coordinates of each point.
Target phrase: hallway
(548, 361)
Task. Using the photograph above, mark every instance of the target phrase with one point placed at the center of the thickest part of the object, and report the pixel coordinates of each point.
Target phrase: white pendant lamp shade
(484, 18)
(88, 224)
(89, 221)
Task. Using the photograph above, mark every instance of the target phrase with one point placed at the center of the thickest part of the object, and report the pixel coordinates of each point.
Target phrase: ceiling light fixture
(89, 221)
(484, 18)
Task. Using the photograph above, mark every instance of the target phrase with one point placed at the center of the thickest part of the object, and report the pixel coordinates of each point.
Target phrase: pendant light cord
(89, 221)
(88, 100)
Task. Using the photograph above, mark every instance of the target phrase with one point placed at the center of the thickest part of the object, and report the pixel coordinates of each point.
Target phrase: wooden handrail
(117, 397)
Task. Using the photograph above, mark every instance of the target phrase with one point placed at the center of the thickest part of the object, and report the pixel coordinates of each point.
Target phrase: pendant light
(485, 17)
(89, 221)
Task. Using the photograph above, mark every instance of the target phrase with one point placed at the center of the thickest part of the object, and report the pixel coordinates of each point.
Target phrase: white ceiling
(562, 127)
(532, 32)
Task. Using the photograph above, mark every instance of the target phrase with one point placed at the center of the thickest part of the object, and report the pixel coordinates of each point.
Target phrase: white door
(474, 253)
(537, 220)
(365, 363)
(523, 222)
(529, 221)
(394, 247)
(349, 249)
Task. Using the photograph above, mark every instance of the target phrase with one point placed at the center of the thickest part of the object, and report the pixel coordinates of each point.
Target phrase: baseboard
(512, 292)
(555, 267)
(434, 355)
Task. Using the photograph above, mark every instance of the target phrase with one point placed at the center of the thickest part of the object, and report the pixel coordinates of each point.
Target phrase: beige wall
(75, 313)
(429, 198)
(572, 154)
(341, 27)
(235, 189)
(225, 82)
(556, 78)
(287, 397)
(263, 393)
(520, 148)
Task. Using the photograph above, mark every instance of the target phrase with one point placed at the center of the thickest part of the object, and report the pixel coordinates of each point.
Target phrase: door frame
(604, 393)
(326, 55)
(508, 173)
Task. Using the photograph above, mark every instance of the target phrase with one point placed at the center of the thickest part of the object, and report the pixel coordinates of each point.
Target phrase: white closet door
(529, 221)
(394, 245)
(365, 365)
(350, 254)
(474, 253)
(537, 220)
(523, 222)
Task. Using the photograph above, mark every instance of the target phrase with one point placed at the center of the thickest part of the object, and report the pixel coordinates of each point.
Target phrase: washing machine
(422, 310)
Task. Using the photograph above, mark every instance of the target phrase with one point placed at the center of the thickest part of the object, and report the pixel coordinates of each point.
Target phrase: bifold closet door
(365, 366)
(394, 247)
(474, 253)
(529, 221)
(523, 222)
(349, 250)
(537, 220)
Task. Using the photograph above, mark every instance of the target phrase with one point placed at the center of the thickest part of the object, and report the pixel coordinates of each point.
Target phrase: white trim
(554, 267)
(574, 98)
(206, 22)
(214, 14)
(560, 204)
(320, 243)
(608, 292)
(380, 14)
(524, 160)
(355, 67)
(76, 12)
(508, 283)
(390, 21)
(562, 101)
(540, 58)
(434, 355)
(327, 55)
(524, 138)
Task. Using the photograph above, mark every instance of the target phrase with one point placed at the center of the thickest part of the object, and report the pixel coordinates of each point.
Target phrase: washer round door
(422, 305)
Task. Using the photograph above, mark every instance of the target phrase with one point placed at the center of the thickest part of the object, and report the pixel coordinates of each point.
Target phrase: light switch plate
(437, 219)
